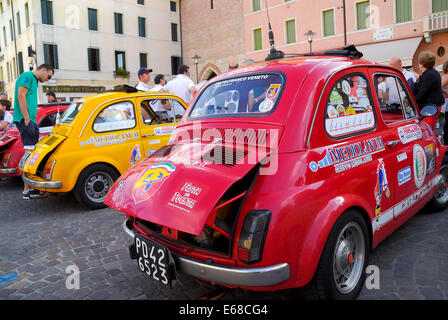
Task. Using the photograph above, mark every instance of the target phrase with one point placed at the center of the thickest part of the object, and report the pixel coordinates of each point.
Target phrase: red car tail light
(48, 171)
(6, 159)
(253, 235)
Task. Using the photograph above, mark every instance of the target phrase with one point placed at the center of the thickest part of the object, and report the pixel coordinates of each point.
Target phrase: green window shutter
(439, 5)
(403, 10)
(290, 31)
(363, 15)
(328, 17)
(55, 57)
(141, 27)
(256, 5)
(143, 60)
(258, 45)
(93, 21)
(118, 17)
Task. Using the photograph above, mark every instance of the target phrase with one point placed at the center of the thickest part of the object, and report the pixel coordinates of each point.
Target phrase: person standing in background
(25, 112)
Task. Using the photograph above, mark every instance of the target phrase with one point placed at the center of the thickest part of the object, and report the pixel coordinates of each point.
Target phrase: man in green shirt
(25, 112)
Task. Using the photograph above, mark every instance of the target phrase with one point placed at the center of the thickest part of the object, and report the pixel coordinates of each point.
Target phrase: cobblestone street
(40, 238)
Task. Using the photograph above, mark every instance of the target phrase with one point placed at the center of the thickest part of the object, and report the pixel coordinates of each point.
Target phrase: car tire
(439, 201)
(344, 257)
(93, 184)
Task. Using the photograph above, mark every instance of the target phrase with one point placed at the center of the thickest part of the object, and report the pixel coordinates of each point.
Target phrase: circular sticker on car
(419, 164)
(346, 87)
(266, 105)
(331, 111)
(341, 110)
(350, 111)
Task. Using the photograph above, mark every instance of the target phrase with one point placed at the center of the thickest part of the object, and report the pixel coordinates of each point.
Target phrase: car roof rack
(123, 88)
(349, 51)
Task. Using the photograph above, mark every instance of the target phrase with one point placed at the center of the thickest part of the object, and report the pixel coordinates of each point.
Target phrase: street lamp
(196, 61)
(310, 35)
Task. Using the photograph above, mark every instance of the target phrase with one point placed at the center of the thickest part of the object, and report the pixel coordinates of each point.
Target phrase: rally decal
(135, 155)
(419, 162)
(382, 185)
(162, 131)
(402, 157)
(385, 217)
(347, 122)
(347, 157)
(115, 138)
(404, 175)
(409, 133)
(430, 158)
(151, 181)
(185, 199)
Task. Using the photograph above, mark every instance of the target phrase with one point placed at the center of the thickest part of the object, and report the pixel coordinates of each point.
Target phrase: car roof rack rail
(348, 51)
(123, 88)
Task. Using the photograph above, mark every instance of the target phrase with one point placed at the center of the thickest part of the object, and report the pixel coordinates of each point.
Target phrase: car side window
(47, 123)
(159, 111)
(118, 116)
(349, 107)
(394, 100)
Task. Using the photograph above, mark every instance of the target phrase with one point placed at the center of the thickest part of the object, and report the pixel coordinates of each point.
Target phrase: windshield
(241, 96)
(71, 112)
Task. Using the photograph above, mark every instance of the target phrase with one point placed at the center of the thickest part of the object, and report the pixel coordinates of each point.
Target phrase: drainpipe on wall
(180, 26)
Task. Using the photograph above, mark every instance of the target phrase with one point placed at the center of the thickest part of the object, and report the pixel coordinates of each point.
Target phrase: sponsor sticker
(419, 163)
(409, 133)
(135, 155)
(402, 157)
(404, 175)
(273, 90)
(186, 198)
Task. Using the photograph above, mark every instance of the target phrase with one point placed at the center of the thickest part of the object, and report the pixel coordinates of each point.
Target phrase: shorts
(29, 134)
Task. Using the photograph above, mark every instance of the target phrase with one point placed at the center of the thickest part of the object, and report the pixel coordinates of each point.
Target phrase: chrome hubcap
(97, 186)
(441, 195)
(349, 256)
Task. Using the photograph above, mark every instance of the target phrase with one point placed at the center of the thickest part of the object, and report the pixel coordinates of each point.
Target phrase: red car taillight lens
(253, 235)
(6, 160)
(48, 171)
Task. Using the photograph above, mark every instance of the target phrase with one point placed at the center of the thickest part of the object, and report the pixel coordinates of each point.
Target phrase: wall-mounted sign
(82, 89)
(383, 34)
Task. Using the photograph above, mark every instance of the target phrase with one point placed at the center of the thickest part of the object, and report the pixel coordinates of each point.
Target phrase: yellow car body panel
(86, 140)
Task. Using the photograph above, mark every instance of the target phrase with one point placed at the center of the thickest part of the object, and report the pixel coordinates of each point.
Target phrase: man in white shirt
(7, 121)
(182, 85)
(164, 105)
(144, 75)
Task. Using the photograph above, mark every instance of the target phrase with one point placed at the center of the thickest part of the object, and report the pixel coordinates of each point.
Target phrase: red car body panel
(11, 147)
(307, 194)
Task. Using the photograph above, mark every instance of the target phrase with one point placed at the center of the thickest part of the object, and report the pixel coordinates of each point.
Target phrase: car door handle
(392, 143)
(148, 135)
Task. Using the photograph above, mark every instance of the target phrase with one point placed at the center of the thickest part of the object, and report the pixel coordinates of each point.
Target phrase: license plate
(24, 160)
(155, 260)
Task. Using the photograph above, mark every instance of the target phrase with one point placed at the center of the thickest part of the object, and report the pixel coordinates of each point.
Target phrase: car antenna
(274, 54)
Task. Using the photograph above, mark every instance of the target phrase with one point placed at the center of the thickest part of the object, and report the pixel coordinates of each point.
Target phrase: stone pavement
(39, 239)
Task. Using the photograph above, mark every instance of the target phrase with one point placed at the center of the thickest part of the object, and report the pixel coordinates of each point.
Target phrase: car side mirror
(428, 111)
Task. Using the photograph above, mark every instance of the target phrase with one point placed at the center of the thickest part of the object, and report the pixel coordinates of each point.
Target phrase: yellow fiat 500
(98, 138)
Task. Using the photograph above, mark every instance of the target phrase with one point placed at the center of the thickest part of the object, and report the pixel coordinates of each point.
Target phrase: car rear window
(252, 95)
(71, 112)
(349, 107)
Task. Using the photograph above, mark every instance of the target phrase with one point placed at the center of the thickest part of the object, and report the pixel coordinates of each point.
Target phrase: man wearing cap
(144, 75)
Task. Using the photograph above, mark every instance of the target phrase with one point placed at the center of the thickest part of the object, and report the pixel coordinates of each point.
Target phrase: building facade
(92, 44)
(381, 29)
(214, 31)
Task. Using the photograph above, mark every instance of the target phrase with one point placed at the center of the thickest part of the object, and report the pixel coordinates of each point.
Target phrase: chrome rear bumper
(243, 277)
(41, 184)
(8, 171)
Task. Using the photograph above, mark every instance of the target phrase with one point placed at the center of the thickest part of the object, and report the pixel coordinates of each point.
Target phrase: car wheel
(341, 271)
(439, 201)
(93, 184)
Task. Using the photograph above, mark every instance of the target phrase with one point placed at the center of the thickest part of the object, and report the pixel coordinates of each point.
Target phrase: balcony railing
(435, 23)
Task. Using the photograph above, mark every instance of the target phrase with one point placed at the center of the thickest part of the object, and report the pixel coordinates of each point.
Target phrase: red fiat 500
(285, 174)
(11, 148)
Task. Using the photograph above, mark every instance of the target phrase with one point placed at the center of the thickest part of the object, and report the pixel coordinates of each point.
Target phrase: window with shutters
(258, 44)
(290, 31)
(363, 15)
(141, 27)
(93, 19)
(439, 5)
(51, 55)
(256, 6)
(118, 18)
(403, 10)
(47, 11)
(328, 22)
(94, 59)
